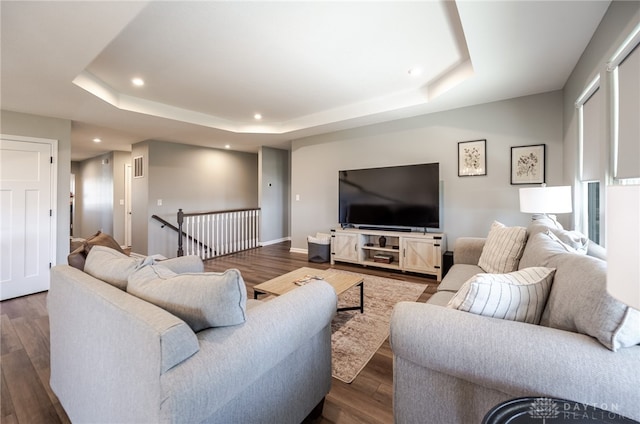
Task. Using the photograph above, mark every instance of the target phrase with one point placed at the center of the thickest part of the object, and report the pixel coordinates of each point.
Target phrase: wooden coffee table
(340, 282)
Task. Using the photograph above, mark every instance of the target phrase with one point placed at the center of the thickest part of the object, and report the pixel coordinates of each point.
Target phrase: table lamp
(546, 200)
(623, 243)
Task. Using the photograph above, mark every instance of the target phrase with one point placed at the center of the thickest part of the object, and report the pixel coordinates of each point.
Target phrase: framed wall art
(528, 164)
(472, 158)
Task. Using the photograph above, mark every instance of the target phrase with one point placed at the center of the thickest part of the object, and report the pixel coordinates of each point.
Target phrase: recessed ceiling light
(138, 82)
(257, 116)
(227, 146)
(415, 71)
(97, 140)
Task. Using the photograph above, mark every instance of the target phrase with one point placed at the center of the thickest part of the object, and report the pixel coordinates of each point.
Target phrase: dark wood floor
(25, 396)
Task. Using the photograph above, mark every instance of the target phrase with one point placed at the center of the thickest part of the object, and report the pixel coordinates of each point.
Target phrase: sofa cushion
(202, 300)
(78, 256)
(539, 250)
(579, 301)
(502, 250)
(111, 266)
(457, 275)
(516, 296)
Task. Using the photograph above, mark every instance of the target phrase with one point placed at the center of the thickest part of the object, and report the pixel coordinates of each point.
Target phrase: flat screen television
(397, 196)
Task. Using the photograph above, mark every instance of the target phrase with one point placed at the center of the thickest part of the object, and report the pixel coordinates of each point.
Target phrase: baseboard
(268, 242)
(297, 250)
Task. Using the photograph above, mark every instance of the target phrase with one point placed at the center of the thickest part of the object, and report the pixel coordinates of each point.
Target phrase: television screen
(396, 196)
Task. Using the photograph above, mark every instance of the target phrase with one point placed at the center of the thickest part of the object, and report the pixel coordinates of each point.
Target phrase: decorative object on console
(472, 158)
(623, 243)
(546, 200)
(383, 258)
(528, 164)
(382, 241)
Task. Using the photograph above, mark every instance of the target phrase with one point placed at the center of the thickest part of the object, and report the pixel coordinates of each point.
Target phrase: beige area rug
(356, 337)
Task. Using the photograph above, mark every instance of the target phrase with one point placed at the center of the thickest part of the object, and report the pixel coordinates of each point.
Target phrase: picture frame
(528, 164)
(472, 158)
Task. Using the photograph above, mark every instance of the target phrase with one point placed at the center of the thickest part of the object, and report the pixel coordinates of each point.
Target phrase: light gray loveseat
(454, 366)
(116, 358)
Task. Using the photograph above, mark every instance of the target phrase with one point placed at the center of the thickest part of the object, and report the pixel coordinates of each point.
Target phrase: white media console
(405, 251)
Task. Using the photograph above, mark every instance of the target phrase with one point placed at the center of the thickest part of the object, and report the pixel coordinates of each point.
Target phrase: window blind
(591, 134)
(628, 151)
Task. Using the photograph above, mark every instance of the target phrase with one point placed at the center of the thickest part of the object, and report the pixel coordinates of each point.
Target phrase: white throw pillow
(516, 296)
(111, 266)
(502, 250)
(202, 300)
(573, 241)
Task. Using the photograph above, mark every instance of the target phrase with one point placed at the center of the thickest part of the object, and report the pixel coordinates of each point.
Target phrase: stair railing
(218, 233)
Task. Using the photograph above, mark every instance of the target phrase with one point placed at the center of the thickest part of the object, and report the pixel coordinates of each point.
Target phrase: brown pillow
(101, 239)
(77, 258)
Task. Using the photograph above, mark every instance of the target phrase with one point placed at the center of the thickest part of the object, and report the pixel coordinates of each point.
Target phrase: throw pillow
(111, 266)
(516, 296)
(502, 250)
(78, 256)
(580, 303)
(202, 300)
(102, 239)
(570, 245)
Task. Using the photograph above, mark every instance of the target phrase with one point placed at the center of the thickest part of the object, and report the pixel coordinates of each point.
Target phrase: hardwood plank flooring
(26, 398)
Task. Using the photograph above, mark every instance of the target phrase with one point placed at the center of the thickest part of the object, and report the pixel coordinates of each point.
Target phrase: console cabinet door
(344, 247)
(421, 255)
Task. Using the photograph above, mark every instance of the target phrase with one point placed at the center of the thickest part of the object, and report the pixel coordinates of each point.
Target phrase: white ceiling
(307, 67)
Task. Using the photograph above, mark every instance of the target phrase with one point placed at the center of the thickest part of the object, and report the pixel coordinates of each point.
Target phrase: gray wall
(620, 19)
(195, 179)
(94, 197)
(13, 123)
(274, 194)
(470, 203)
(99, 189)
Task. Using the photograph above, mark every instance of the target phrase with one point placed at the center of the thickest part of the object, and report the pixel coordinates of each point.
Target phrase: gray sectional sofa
(120, 358)
(453, 366)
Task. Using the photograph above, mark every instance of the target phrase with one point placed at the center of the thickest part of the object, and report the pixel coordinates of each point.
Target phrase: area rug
(356, 337)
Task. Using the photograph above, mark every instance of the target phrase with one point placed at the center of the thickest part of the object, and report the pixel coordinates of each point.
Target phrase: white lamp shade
(545, 199)
(623, 243)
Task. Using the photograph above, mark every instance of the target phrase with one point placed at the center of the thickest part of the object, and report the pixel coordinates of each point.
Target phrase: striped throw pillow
(502, 250)
(516, 296)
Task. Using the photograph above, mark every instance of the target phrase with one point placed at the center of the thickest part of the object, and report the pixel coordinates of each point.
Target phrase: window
(591, 171)
(592, 221)
(625, 74)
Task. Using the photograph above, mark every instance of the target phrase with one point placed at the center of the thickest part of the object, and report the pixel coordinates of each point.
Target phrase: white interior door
(26, 209)
(127, 204)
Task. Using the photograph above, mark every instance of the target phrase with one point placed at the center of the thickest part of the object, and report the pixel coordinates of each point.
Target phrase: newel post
(180, 219)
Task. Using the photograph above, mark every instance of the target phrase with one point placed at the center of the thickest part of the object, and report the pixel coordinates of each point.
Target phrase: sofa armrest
(109, 345)
(238, 356)
(515, 358)
(467, 250)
